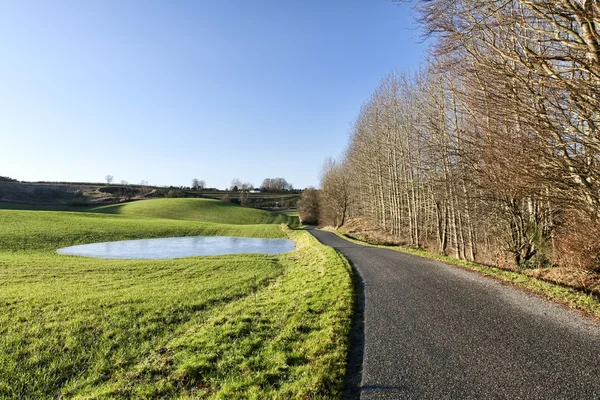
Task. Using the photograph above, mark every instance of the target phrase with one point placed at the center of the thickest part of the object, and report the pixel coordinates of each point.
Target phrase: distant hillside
(203, 210)
(67, 194)
(93, 194)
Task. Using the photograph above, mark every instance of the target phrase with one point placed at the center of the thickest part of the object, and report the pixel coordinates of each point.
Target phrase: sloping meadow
(240, 326)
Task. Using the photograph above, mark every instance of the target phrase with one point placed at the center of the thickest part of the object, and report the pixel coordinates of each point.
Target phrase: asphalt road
(433, 331)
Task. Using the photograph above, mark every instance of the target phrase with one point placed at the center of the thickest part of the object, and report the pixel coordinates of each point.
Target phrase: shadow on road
(357, 340)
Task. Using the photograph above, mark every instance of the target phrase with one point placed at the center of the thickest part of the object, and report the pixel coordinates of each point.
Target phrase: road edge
(588, 305)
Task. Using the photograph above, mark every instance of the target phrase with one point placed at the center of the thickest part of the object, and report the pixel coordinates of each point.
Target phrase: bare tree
(236, 185)
(246, 186)
(532, 71)
(144, 187)
(275, 185)
(195, 183)
(336, 196)
(308, 206)
(109, 179)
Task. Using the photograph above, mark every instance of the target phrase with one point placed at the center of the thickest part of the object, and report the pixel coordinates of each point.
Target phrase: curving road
(433, 331)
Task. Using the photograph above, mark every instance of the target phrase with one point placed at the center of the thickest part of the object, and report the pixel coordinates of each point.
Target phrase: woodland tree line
(491, 153)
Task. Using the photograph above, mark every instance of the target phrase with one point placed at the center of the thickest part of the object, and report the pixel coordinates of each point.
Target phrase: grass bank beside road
(239, 326)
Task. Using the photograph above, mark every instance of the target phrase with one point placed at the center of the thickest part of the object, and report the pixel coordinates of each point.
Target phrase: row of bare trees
(492, 153)
(268, 184)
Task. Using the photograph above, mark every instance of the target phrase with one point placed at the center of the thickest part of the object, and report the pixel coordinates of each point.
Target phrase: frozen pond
(179, 247)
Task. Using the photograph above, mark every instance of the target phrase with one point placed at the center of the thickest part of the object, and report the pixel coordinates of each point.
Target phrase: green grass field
(206, 210)
(243, 326)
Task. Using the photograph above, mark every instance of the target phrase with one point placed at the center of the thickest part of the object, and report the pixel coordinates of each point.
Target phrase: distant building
(256, 190)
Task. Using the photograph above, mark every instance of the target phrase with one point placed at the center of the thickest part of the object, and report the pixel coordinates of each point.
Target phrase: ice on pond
(178, 247)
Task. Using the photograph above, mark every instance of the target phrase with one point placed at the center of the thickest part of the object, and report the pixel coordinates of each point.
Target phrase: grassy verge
(576, 299)
(240, 326)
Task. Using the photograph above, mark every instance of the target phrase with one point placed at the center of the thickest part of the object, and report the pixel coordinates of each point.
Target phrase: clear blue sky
(166, 91)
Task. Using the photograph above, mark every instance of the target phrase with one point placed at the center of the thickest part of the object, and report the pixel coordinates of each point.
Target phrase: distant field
(205, 210)
(244, 326)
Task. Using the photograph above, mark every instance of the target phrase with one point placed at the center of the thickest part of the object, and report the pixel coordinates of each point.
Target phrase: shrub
(576, 242)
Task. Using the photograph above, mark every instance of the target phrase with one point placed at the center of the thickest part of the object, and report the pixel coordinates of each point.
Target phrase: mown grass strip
(570, 297)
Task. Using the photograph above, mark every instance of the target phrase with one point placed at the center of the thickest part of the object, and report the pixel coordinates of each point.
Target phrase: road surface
(434, 331)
